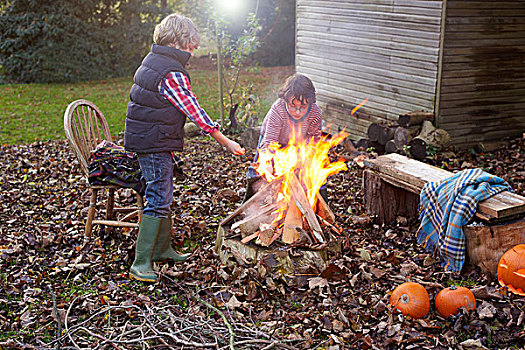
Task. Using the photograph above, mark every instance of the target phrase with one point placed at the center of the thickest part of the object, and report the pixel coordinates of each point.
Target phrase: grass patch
(34, 112)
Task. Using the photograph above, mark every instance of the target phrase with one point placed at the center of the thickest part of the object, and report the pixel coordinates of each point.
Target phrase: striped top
(278, 125)
(176, 88)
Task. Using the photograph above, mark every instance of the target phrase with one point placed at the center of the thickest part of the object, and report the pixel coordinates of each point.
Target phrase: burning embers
(288, 206)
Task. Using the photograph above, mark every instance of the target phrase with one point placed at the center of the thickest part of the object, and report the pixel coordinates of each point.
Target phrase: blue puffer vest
(153, 124)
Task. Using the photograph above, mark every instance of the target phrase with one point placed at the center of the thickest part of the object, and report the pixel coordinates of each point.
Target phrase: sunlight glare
(230, 7)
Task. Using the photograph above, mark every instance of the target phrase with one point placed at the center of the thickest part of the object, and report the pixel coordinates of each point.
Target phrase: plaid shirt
(176, 88)
(447, 205)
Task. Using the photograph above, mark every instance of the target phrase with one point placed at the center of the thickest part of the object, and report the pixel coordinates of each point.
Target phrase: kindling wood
(392, 184)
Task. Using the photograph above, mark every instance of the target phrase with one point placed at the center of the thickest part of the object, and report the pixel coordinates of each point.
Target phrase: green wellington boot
(142, 268)
(163, 250)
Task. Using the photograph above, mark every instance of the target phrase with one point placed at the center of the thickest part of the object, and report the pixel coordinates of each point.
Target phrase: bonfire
(288, 207)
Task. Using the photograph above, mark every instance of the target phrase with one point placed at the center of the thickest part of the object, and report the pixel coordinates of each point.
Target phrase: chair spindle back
(85, 128)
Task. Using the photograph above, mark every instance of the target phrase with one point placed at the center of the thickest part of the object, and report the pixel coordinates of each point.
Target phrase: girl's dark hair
(298, 87)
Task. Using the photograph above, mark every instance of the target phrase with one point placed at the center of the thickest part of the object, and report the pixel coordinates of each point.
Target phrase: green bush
(72, 40)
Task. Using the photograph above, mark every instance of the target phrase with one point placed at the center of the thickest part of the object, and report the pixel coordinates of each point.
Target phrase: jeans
(157, 169)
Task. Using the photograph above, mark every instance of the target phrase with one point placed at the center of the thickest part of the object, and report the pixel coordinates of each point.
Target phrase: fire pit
(286, 218)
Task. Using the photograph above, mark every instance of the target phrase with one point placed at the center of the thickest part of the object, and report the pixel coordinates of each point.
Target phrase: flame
(358, 106)
(309, 161)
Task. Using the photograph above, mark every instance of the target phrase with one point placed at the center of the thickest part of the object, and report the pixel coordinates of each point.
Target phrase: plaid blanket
(447, 205)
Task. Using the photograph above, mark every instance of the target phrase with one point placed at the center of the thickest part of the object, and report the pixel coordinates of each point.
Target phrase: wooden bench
(392, 184)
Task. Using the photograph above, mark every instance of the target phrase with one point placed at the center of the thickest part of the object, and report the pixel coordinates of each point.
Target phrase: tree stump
(486, 243)
(287, 261)
(387, 201)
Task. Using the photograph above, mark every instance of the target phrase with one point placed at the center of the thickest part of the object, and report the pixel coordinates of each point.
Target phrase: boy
(161, 99)
(295, 111)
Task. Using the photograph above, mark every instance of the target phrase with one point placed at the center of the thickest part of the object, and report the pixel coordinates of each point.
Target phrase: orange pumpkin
(449, 300)
(411, 298)
(511, 269)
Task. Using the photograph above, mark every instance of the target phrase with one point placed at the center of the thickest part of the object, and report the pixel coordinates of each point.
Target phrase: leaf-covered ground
(60, 290)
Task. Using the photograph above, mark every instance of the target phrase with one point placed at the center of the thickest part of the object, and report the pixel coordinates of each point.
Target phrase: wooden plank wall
(483, 85)
(383, 50)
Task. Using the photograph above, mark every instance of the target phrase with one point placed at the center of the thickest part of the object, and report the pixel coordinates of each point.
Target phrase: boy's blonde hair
(176, 30)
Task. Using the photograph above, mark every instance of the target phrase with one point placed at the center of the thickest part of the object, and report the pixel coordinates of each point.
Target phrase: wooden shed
(463, 60)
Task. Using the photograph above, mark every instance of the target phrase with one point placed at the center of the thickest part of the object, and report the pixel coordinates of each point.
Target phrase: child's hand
(234, 148)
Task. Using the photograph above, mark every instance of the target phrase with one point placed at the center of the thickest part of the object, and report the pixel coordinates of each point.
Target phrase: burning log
(301, 201)
(252, 223)
(266, 195)
(324, 211)
(292, 223)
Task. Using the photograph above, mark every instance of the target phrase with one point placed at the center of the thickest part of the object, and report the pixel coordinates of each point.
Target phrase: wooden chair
(85, 128)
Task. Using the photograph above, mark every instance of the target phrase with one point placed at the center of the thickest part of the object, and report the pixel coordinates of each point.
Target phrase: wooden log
(386, 134)
(486, 243)
(402, 136)
(232, 251)
(439, 139)
(349, 146)
(265, 237)
(292, 222)
(363, 144)
(336, 230)
(250, 237)
(373, 132)
(391, 147)
(324, 211)
(412, 175)
(266, 195)
(387, 201)
(418, 148)
(378, 148)
(414, 118)
(251, 223)
(302, 203)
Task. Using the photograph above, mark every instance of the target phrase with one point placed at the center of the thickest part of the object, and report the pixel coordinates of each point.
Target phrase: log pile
(413, 134)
